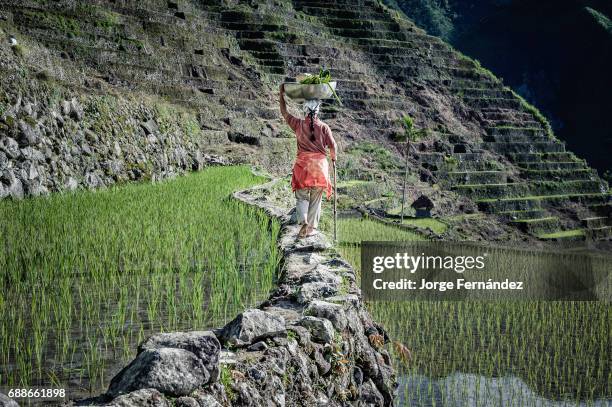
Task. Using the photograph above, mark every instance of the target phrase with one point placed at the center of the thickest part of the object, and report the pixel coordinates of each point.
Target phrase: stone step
(481, 191)
(463, 162)
(417, 49)
(596, 222)
(515, 131)
(564, 235)
(604, 209)
(350, 72)
(559, 175)
(525, 214)
(532, 124)
(538, 157)
(482, 103)
(506, 114)
(552, 165)
(349, 4)
(341, 12)
(516, 138)
(365, 25)
(456, 85)
(240, 26)
(600, 233)
(509, 204)
(537, 225)
(533, 188)
(484, 93)
(478, 177)
(525, 147)
(535, 202)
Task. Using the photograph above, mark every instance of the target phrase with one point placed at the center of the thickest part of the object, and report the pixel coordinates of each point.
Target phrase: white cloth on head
(311, 106)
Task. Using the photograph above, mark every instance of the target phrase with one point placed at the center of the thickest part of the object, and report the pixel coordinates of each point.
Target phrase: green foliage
(436, 226)
(601, 19)
(378, 153)
(531, 340)
(410, 134)
(65, 24)
(19, 50)
(225, 378)
(450, 162)
(101, 270)
(435, 16)
(172, 119)
(535, 112)
(323, 77)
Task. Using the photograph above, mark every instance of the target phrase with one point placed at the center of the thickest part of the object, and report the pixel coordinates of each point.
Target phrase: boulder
(3, 161)
(321, 329)
(71, 184)
(175, 372)
(10, 147)
(204, 344)
(333, 312)
(66, 107)
(32, 154)
(138, 398)
(7, 402)
(250, 325)
(27, 135)
(323, 274)
(149, 127)
(186, 402)
(311, 291)
(258, 346)
(370, 394)
(206, 400)
(13, 184)
(76, 110)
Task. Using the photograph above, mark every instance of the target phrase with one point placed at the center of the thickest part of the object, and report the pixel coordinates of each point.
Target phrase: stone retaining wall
(311, 343)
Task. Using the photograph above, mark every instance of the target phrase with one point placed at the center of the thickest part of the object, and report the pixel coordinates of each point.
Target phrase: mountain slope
(110, 91)
(557, 54)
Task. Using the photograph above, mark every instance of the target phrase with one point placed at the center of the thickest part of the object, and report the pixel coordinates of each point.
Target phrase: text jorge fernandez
(458, 264)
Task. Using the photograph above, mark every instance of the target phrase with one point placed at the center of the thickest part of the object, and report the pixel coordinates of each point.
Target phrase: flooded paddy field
(86, 276)
(521, 353)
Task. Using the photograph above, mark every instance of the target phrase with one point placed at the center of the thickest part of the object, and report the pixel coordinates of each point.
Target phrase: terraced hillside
(222, 62)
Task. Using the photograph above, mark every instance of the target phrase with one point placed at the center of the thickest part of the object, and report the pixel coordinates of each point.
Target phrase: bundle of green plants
(323, 77)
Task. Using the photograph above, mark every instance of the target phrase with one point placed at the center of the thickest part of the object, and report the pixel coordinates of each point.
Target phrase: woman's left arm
(331, 143)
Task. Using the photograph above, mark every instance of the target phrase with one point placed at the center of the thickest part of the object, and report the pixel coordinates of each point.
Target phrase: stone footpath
(311, 343)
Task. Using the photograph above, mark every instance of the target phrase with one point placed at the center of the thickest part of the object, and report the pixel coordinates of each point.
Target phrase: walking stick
(335, 201)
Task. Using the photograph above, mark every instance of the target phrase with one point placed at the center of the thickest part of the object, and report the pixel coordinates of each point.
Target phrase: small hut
(423, 206)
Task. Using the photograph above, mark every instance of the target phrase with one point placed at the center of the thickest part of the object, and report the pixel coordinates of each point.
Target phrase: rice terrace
(190, 190)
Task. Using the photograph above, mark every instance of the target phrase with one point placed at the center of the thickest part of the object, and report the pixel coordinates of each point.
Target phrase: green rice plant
(560, 349)
(323, 77)
(99, 271)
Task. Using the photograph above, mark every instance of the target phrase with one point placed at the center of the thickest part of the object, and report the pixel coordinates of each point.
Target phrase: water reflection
(467, 390)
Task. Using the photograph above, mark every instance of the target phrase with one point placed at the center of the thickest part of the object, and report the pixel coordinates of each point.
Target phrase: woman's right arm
(291, 120)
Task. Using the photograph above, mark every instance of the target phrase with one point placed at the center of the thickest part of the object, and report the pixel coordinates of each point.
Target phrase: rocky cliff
(101, 92)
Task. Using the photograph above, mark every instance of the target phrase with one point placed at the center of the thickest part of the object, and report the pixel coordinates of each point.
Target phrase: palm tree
(410, 134)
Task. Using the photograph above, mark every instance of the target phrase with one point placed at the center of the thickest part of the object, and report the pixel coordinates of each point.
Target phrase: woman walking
(311, 170)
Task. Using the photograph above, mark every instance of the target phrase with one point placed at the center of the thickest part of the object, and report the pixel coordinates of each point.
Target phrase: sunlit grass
(86, 276)
(560, 349)
(435, 225)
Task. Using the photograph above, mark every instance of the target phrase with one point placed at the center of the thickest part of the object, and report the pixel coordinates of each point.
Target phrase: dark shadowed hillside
(556, 54)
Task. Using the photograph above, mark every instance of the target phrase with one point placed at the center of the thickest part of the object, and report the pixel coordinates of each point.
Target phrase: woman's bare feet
(310, 231)
(303, 231)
